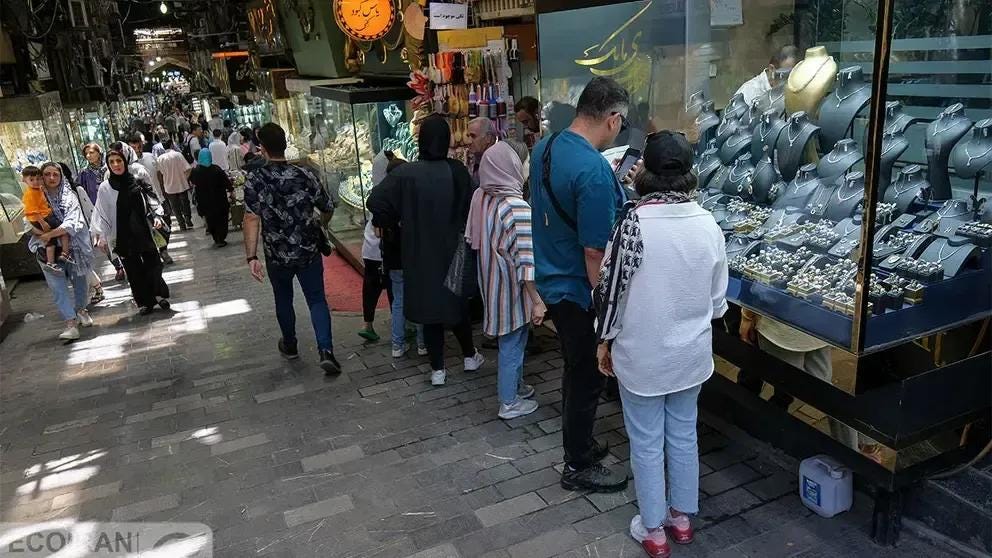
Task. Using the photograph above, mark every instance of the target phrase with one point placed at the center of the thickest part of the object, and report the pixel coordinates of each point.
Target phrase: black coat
(430, 199)
(212, 186)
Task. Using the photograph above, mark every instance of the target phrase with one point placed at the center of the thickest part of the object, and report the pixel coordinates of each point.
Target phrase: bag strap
(546, 183)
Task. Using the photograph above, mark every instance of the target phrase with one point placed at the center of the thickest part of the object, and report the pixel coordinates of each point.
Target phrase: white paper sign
(449, 16)
(725, 13)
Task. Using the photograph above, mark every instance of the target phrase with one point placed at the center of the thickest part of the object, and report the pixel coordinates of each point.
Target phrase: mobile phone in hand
(630, 158)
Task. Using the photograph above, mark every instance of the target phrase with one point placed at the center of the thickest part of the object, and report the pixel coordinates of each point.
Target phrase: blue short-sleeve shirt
(587, 190)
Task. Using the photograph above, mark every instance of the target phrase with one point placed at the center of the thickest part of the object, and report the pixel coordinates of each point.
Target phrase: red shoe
(654, 543)
(679, 528)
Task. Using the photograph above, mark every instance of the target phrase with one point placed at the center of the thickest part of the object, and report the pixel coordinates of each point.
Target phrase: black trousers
(180, 207)
(581, 384)
(217, 224)
(144, 273)
(434, 339)
(376, 279)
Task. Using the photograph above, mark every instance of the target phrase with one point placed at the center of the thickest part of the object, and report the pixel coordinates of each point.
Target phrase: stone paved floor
(193, 417)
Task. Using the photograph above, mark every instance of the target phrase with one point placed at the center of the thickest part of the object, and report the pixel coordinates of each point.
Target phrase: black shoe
(288, 352)
(220, 244)
(145, 310)
(166, 258)
(594, 478)
(164, 304)
(329, 363)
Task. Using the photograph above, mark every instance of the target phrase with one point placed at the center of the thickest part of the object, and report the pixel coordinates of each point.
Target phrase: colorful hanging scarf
(624, 253)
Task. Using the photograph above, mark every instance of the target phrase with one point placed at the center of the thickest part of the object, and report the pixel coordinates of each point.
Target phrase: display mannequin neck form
(707, 165)
(906, 187)
(799, 190)
(845, 199)
(739, 178)
(941, 136)
(736, 145)
(844, 155)
(695, 103)
(838, 109)
(766, 133)
(792, 144)
(751, 118)
(774, 99)
(973, 156)
(735, 107)
(766, 182)
(895, 119)
(706, 122)
(893, 146)
(809, 81)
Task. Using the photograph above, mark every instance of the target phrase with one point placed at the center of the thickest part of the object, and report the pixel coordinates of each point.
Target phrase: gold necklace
(826, 59)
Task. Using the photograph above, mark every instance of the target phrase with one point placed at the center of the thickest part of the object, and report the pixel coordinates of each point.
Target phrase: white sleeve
(720, 277)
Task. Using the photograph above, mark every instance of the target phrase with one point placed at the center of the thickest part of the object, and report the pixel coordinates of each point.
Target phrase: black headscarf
(133, 234)
(434, 139)
(120, 182)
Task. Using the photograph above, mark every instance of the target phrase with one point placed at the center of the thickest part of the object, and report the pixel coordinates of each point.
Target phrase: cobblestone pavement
(192, 416)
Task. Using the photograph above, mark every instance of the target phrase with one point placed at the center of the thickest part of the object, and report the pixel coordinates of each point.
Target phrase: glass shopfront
(853, 207)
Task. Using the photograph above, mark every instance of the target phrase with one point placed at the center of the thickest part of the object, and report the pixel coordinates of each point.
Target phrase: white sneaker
(474, 363)
(422, 350)
(84, 318)
(518, 408)
(525, 391)
(398, 352)
(70, 334)
(438, 377)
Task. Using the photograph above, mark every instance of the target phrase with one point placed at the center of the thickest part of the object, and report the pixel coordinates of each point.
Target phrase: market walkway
(193, 417)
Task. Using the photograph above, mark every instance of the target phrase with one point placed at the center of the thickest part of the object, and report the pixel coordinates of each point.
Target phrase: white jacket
(104, 221)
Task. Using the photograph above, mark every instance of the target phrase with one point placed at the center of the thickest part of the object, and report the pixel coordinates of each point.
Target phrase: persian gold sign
(365, 20)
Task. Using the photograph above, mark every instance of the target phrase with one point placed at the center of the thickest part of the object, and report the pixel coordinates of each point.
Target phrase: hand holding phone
(628, 161)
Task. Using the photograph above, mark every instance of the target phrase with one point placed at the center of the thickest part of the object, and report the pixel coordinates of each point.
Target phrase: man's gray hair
(602, 97)
(485, 126)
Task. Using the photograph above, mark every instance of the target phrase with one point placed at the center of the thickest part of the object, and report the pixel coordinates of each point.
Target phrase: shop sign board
(365, 20)
(448, 16)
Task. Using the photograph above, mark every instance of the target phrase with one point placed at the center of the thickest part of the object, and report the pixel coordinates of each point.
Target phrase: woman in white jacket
(663, 279)
(128, 219)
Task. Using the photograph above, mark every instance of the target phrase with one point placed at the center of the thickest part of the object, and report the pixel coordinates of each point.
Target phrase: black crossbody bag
(546, 184)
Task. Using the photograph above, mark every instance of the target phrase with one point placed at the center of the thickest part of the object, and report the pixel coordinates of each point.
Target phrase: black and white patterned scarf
(624, 253)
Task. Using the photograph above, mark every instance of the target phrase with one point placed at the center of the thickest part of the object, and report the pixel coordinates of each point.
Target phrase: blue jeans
(311, 278)
(69, 304)
(510, 364)
(662, 433)
(396, 312)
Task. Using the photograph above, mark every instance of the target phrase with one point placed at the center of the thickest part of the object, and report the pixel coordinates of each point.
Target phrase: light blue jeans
(510, 365)
(396, 312)
(68, 304)
(662, 433)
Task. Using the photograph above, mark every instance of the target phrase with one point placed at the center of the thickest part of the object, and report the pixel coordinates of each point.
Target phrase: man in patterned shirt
(283, 198)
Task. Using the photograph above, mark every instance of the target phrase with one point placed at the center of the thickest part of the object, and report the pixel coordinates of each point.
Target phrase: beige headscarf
(501, 174)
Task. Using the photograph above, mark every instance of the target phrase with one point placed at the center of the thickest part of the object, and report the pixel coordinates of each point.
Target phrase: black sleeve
(385, 203)
(464, 188)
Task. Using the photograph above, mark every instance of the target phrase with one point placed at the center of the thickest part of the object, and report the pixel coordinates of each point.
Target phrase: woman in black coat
(213, 188)
(431, 199)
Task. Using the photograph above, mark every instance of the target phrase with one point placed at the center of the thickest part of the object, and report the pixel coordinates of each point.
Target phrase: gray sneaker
(518, 408)
(594, 478)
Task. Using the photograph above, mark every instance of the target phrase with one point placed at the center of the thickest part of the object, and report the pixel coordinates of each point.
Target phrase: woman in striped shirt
(499, 227)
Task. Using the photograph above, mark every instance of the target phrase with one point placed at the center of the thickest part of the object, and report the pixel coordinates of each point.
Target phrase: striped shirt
(506, 260)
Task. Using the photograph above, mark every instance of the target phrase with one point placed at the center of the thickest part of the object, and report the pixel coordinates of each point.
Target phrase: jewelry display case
(11, 209)
(255, 114)
(33, 130)
(89, 124)
(351, 124)
(851, 186)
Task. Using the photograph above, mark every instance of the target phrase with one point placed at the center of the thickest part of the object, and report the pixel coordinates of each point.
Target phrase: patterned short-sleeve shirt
(284, 196)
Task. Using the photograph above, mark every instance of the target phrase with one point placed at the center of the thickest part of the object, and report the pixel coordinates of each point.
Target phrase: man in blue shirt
(573, 212)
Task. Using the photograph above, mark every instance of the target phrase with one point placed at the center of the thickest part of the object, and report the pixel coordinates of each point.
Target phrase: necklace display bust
(942, 134)
(766, 182)
(846, 198)
(790, 148)
(706, 122)
(736, 107)
(951, 257)
(736, 145)
(894, 144)
(809, 81)
(738, 181)
(895, 119)
(909, 184)
(798, 192)
(766, 133)
(844, 155)
(706, 166)
(751, 118)
(773, 99)
(838, 109)
(974, 155)
(695, 103)
(729, 125)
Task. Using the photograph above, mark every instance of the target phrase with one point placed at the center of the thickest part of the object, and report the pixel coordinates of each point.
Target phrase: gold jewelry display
(810, 81)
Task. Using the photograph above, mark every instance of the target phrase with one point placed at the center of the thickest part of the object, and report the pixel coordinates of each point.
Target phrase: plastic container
(825, 486)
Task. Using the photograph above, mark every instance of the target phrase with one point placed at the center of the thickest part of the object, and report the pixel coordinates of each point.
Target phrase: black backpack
(184, 149)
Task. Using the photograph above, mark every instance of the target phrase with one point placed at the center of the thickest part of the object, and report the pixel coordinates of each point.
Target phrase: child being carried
(39, 213)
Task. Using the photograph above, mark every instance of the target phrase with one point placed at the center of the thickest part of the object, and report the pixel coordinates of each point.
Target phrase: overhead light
(163, 8)
(147, 78)
(158, 58)
(151, 62)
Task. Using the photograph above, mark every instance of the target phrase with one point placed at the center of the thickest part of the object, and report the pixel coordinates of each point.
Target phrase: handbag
(461, 278)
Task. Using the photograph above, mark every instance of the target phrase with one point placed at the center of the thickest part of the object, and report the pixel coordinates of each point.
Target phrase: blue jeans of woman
(69, 303)
(662, 433)
(511, 363)
(396, 312)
